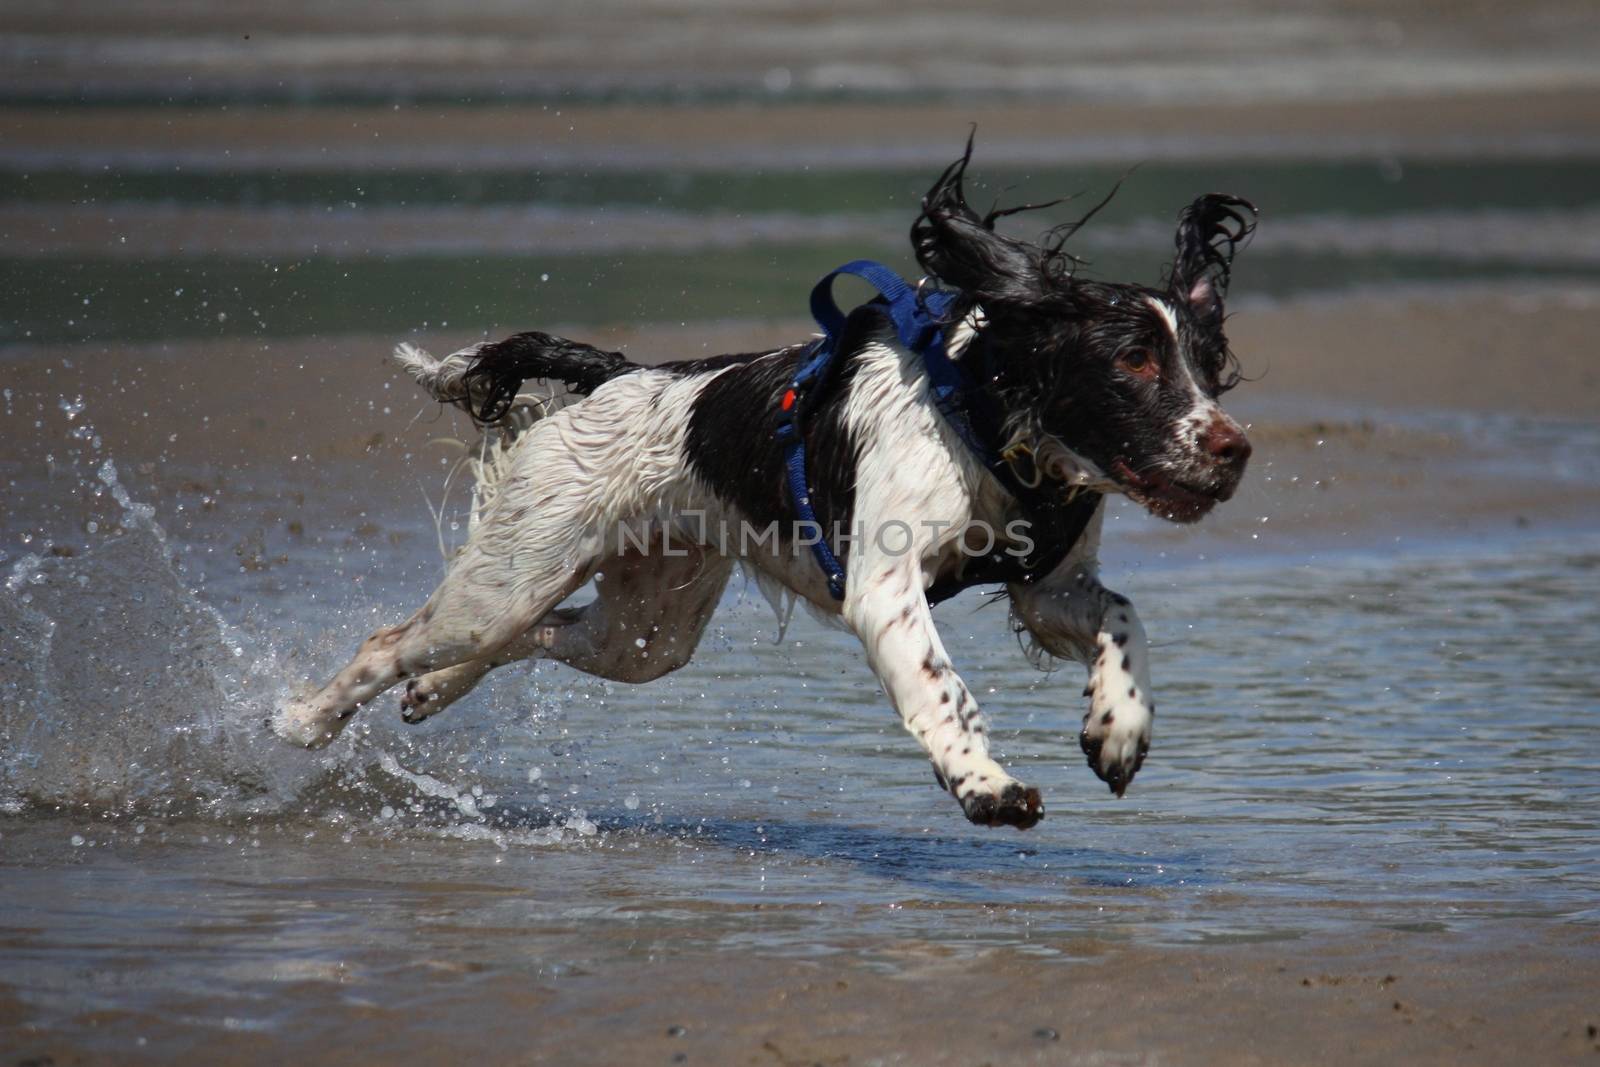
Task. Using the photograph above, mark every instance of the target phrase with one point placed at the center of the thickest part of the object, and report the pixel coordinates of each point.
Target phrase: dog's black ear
(1210, 231)
(957, 246)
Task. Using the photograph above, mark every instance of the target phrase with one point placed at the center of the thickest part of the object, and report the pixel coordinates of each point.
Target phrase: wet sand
(1380, 1000)
(136, 231)
(687, 50)
(1377, 1001)
(1488, 349)
(1339, 454)
(1515, 996)
(866, 133)
(1477, 348)
(1347, 452)
(459, 959)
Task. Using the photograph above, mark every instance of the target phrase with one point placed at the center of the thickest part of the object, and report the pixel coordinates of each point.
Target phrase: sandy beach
(622, 135)
(1367, 834)
(1515, 995)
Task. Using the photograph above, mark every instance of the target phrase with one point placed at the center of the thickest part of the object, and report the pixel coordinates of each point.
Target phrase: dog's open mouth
(1165, 497)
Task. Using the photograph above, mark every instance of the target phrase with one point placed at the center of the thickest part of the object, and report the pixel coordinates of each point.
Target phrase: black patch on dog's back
(733, 432)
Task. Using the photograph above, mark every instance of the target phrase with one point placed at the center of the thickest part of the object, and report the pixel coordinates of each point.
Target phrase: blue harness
(920, 319)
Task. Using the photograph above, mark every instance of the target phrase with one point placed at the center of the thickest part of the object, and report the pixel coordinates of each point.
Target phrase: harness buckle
(1017, 451)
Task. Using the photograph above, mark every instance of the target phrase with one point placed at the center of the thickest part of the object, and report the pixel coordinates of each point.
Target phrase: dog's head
(1113, 385)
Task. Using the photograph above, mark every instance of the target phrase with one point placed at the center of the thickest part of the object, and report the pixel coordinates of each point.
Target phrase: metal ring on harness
(1010, 456)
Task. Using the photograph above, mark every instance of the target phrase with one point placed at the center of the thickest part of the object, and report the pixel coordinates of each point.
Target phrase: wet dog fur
(1110, 387)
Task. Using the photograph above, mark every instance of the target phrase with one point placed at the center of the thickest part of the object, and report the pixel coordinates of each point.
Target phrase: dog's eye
(1138, 362)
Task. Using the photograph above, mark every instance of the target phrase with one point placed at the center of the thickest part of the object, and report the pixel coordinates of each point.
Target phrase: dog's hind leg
(537, 544)
(429, 694)
(484, 603)
(648, 615)
(569, 483)
(648, 618)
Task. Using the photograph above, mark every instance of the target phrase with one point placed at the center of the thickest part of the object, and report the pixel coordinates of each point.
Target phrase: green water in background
(134, 297)
(152, 300)
(1358, 188)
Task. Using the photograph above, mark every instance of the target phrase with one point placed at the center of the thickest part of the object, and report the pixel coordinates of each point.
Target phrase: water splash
(122, 690)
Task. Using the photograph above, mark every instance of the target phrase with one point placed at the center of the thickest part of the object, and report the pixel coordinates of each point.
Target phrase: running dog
(1092, 388)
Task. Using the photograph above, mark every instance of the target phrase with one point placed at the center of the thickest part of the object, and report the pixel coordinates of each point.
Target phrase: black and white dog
(1100, 388)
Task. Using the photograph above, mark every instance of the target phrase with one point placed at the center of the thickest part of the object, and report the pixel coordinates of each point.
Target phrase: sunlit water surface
(1375, 739)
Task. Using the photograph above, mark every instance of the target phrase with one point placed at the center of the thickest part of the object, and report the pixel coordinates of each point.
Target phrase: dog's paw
(1014, 804)
(301, 723)
(414, 702)
(429, 694)
(1116, 736)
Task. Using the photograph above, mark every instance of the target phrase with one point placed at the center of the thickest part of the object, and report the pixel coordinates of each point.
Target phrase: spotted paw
(1115, 739)
(1016, 805)
(429, 694)
(414, 701)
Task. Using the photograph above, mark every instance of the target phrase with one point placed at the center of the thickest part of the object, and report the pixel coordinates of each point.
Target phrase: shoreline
(866, 134)
(1510, 994)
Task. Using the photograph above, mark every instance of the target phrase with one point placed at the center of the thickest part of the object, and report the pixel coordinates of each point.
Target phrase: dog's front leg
(1075, 617)
(886, 608)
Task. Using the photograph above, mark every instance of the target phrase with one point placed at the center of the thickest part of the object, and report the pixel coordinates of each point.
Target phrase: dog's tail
(483, 379)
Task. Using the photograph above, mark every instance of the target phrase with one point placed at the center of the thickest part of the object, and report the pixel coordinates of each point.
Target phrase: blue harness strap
(919, 321)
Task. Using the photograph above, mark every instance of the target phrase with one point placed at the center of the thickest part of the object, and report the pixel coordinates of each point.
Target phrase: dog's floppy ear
(955, 245)
(1210, 231)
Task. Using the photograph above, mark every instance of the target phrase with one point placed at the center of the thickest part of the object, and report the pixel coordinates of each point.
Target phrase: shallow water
(1371, 740)
(1379, 725)
(1373, 735)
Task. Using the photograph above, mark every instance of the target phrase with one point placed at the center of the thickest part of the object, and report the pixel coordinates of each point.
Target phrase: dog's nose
(1225, 442)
